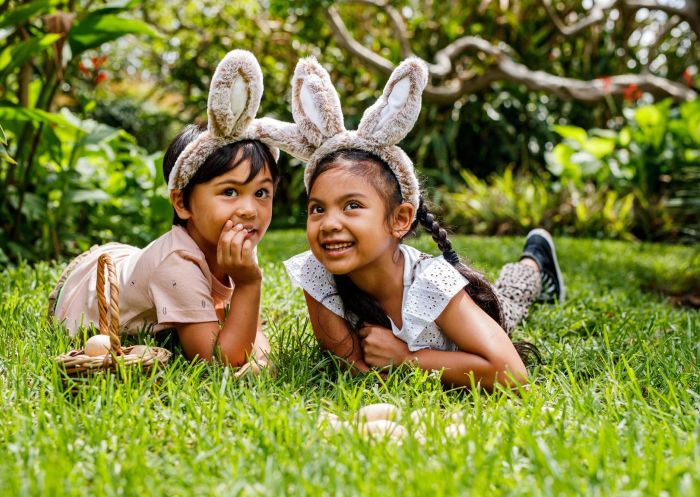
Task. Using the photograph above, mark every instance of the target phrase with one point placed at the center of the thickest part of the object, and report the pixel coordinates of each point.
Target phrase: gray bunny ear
(315, 103)
(391, 117)
(234, 94)
(283, 135)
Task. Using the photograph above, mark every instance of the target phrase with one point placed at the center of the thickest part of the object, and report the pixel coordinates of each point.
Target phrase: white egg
(374, 412)
(456, 430)
(384, 428)
(140, 350)
(98, 345)
(457, 417)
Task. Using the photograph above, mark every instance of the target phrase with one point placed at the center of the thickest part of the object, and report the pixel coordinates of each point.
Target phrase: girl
(372, 299)
(221, 184)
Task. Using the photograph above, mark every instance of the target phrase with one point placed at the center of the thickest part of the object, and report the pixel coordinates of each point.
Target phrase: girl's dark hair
(219, 162)
(360, 307)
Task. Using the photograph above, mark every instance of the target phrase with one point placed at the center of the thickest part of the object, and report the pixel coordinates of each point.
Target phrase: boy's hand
(235, 254)
(381, 348)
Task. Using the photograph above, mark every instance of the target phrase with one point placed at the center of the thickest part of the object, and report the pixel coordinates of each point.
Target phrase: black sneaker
(539, 246)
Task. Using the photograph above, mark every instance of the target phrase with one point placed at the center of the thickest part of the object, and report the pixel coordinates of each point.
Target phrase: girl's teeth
(335, 246)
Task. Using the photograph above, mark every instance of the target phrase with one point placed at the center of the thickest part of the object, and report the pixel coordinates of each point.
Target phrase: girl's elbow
(511, 375)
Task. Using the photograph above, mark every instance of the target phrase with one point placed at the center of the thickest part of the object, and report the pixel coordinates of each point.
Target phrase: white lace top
(429, 284)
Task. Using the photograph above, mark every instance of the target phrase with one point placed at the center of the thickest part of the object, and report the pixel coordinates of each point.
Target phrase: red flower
(101, 76)
(688, 77)
(84, 70)
(631, 92)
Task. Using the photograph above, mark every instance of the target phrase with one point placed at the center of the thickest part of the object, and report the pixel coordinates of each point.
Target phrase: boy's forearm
(456, 368)
(238, 334)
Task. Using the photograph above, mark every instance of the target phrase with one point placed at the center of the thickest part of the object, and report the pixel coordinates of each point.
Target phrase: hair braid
(478, 288)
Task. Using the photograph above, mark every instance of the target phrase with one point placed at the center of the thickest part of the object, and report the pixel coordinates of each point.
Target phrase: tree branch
(395, 18)
(596, 16)
(504, 68)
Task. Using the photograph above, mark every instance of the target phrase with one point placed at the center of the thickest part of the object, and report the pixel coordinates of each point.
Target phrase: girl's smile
(347, 224)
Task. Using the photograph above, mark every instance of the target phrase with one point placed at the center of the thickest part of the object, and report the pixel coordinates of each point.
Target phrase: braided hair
(360, 307)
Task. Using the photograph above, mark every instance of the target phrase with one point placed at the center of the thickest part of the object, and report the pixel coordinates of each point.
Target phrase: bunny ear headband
(319, 131)
(234, 97)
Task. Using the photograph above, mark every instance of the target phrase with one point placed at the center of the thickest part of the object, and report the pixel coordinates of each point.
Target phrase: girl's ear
(178, 201)
(402, 219)
(234, 94)
(391, 117)
(315, 103)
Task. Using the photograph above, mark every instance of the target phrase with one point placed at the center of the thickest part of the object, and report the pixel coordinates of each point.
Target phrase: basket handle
(111, 328)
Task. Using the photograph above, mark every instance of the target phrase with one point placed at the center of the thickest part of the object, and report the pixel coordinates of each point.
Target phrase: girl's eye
(352, 205)
(262, 193)
(315, 209)
(230, 192)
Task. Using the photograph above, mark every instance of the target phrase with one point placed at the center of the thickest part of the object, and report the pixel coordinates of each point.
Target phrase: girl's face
(347, 226)
(226, 197)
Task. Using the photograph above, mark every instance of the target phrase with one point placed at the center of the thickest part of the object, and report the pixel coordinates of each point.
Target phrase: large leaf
(17, 55)
(35, 115)
(98, 28)
(599, 147)
(571, 133)
(21, 14)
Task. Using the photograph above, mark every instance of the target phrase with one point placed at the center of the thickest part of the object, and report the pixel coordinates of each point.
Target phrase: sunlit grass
(613, 411)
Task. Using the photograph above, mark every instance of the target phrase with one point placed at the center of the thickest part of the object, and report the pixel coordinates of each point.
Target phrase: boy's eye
(352, 205)
(230, 192)
(263, 193)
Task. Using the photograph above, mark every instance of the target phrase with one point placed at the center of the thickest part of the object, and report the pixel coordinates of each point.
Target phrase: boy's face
(226, 197)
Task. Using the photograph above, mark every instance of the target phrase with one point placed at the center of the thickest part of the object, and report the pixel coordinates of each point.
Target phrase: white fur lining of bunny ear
(309, 104)
(235, 93)
(396, 101)
(391, 117)
(315, 103)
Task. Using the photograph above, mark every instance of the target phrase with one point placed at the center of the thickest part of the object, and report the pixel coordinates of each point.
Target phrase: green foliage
(613, 410)
(509, 204)
(62, 176)
(95, 183)
(654, 156)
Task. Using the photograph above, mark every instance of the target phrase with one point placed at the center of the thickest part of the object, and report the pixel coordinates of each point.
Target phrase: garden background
(582, 117)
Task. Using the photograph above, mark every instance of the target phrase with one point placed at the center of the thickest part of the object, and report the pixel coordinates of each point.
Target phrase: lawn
(614, 410)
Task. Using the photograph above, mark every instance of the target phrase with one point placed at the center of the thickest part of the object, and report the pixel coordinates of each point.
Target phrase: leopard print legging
(517, 287)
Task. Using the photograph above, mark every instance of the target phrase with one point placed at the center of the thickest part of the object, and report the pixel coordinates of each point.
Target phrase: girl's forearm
(236, 338)
(457, 366)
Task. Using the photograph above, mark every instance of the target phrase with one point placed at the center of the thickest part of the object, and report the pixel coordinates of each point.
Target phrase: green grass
(614, 410)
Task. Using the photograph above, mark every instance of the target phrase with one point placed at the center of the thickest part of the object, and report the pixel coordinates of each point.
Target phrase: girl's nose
(330, 222)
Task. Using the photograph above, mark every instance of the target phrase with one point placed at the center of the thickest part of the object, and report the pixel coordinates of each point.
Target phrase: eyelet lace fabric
(429, 285)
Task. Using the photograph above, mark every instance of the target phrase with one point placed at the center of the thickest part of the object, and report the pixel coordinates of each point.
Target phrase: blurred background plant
(579, 116)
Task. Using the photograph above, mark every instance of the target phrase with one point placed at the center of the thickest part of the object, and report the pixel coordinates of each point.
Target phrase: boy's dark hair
(219, 162)
(359, 303)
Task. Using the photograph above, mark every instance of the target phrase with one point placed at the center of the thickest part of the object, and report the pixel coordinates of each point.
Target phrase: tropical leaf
(98, 28)
(21, 14)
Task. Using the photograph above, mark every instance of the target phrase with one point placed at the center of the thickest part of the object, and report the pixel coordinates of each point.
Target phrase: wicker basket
(77, 363)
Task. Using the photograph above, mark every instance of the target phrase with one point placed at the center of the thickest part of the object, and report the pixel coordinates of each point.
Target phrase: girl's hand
(235, 255)
(381, 348)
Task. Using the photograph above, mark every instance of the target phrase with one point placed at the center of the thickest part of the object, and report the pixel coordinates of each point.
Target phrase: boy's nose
(245, 210)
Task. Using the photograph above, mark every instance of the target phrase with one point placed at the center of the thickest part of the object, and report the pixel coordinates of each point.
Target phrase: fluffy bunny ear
(391, 117)
(315, 103)
(235, 93)
(282, 135)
